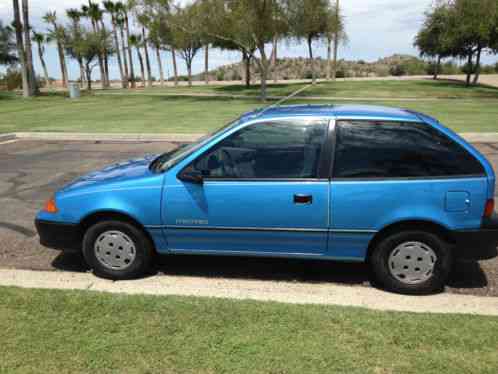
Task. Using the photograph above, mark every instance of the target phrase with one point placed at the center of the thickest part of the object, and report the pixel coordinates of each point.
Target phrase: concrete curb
(491, 137)
(286, 292)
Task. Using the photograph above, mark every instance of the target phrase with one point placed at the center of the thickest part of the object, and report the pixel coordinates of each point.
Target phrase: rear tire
(117, 250)
(412, 262)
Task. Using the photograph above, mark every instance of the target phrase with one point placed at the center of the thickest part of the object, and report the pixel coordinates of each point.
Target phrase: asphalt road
(30, 171)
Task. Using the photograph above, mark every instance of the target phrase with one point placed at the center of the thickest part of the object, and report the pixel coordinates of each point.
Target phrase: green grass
(152, 111)
(352, 89)
(69, 331)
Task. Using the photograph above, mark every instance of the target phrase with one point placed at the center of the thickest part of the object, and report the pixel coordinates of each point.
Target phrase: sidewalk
(285, 292)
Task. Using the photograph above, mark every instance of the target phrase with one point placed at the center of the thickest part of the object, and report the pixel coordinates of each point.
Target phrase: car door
(262, 193)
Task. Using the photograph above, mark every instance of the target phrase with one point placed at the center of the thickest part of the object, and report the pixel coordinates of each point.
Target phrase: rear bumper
(57, 235)
(480, 243)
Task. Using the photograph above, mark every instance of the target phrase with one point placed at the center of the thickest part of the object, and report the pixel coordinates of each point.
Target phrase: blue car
(390, 187)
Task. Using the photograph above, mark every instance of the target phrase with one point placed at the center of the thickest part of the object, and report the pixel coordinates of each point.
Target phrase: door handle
(303, 199)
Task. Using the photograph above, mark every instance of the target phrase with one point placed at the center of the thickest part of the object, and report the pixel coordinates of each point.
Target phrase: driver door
(262, 193)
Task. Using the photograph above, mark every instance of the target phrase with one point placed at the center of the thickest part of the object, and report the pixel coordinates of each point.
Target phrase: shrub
(220, 75)
(496, 68)
(468, 69)
(341, 73)
(12, 79)
(397, 70)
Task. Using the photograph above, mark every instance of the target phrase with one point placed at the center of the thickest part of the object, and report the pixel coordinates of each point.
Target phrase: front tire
(117, 250)
(411, 262)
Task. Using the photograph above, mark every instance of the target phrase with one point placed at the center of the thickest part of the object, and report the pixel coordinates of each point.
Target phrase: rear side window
(368, 149)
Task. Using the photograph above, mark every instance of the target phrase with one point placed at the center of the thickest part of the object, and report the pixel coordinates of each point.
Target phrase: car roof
(339, 111)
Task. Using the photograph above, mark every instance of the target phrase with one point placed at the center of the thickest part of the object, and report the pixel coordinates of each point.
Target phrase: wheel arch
(421, 225)
(105, 215)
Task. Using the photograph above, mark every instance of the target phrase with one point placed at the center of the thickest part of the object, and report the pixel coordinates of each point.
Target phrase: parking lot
(30, 171)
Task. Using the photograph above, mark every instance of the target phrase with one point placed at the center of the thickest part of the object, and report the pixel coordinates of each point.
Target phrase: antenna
(281, 101)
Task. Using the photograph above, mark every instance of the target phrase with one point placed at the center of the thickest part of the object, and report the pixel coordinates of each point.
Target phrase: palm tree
(27, 48)
(155, 41)
(40, 39)
(121, 23)
(94, 13)
(110, 7)
(75, 16)
(123, 10)
(143, 21)
(20, 49)
(137, 42)
(58, 34)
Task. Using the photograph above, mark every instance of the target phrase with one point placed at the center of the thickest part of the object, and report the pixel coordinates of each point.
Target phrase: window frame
(333, 130)
(326, 154)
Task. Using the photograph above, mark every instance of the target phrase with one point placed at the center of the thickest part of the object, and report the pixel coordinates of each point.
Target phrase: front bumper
(478, 244)
(57, 235)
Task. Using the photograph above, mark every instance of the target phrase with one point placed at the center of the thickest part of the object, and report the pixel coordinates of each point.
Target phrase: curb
(258, 290)
(490, 137)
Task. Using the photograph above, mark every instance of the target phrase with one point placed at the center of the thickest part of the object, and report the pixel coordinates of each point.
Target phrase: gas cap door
(457, 201)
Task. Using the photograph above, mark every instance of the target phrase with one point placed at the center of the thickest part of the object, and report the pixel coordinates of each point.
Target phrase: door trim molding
(268, 229)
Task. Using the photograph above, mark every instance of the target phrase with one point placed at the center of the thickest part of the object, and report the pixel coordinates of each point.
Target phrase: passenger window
(275, 150)
(367, 149)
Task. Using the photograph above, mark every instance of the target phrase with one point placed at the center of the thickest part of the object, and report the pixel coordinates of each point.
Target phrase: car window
(273, 150)
(367, 149)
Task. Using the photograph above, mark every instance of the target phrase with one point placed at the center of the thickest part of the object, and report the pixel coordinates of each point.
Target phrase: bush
(487, 69)
(341, 73)
(397, 70)
(468, 69)
(220, 75)
(12, 79)
(496, 68)
(450, 68)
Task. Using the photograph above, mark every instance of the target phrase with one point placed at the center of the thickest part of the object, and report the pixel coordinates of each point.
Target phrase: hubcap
(412, 262)
(115, 250)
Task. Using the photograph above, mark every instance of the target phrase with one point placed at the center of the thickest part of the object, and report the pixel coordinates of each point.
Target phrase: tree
(431, 39)
(88, 45)
(137, 42)
(123, 10)
(110, 7)
(309, 21)
(336, 34)
(186, 34)
(472, 24)
(75, 16)
(248, 23)
(155, 41)
(27, 92)
(7, 45)
(28, 50)
(40, 39)
(94, 13)
(121, 24)
(144, 22)
(58, 34)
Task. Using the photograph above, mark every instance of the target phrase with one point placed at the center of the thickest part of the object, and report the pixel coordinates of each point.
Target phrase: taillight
(489, 209)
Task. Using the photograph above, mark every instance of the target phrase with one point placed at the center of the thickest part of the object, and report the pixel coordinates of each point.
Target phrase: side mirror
(191, 176)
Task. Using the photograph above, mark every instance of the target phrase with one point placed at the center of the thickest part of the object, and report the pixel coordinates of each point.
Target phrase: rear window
(369, 149)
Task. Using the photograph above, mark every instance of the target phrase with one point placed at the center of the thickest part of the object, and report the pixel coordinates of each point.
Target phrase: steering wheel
(228, 161)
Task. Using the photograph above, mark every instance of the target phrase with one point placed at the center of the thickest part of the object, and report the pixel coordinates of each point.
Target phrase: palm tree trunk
(175, 67)
(329, 57)
(160, 64)
(141, 61)
(312, 61)
(336, 42)
(130, 57)
(43, 64)
(274, 59)
(478, 66)
(247, 63)
(62, 63)
(106, 58)
(27, 47)
(437, 67)
(264, 67)
(100, 58)
(147, 59)
(20, 50)
(206, 64)
(189, 72)
(118, 52)
(88, 77)
(82, 72)
(125, 62)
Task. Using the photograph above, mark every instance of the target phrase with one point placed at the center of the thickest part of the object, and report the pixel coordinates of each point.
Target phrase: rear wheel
(117, 250)
(412, 262)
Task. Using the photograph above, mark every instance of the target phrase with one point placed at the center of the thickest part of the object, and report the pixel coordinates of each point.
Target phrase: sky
(375, 28)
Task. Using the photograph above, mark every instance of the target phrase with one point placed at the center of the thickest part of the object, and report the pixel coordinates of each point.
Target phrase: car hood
(120, 172)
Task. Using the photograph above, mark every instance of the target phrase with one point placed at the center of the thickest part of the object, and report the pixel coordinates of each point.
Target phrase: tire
(411, 262)
(117, 250)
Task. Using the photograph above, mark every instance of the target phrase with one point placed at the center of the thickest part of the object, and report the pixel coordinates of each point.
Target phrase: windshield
(170, 159)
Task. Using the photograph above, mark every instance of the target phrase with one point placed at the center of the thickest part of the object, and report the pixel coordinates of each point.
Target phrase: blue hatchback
(387, 186)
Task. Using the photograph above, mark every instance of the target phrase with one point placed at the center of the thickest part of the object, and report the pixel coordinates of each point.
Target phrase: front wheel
(117, 250)
(411, 262)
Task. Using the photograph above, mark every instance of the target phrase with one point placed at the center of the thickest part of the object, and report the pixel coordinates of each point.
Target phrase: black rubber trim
(58, 235)
(477, 244)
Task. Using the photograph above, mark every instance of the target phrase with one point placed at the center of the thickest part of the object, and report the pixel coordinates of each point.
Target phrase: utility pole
(336, 40)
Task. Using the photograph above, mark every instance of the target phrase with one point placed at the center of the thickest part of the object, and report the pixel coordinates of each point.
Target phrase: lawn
(153, 111)
(74, 331)
(380, 89)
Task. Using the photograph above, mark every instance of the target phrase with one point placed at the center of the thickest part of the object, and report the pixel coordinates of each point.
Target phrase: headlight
(50, 206)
